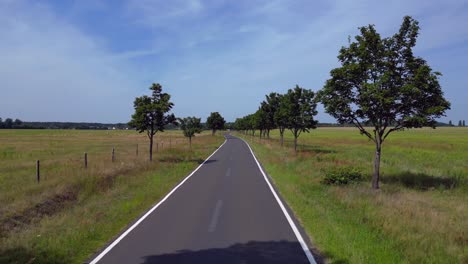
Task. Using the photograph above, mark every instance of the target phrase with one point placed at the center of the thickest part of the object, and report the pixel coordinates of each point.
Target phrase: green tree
(190, 126)
(301, 107)
(459, 123)
(247, 124)
(382, 84)
(463, 123)
(243, 124)
(270, 106)
(281, 116)
(239, 124)
(261, 121)
(8, 123)
(450, 123)
(215, 122)
(152, 114)
(17, 123)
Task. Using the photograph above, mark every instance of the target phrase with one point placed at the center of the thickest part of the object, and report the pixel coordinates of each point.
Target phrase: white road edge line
(299, 237)
(109, 248)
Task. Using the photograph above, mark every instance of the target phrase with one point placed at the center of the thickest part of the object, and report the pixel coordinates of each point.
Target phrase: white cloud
(159, 13)
(50, 70)
(276, 44)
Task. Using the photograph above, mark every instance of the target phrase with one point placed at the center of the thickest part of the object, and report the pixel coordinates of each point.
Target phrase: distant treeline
(230, 125)
(9, 123)
(438, 124)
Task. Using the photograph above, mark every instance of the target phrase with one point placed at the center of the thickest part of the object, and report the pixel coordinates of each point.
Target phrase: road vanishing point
(226, 211)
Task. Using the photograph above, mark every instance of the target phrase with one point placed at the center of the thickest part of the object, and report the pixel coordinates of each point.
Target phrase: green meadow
(74, 211)
(418, 216)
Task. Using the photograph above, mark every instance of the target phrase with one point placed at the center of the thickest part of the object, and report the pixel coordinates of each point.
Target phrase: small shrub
(342, 176)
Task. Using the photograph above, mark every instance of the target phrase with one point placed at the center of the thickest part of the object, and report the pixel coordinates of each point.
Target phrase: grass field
(74, 211)
(420, 215)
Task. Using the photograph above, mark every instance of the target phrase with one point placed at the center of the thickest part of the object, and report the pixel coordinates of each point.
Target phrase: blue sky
(86, 60)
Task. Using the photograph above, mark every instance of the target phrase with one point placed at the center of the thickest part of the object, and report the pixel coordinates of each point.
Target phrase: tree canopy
(190, 126)
(215, 122)
(382, 84)
(281, 116)
(152, 113)
(300, 105)
(294, 110)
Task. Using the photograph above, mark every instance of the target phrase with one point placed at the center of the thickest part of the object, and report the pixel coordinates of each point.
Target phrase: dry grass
(73, 211)
(62, 161)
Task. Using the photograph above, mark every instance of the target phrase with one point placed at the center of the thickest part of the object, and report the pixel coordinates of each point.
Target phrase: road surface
(225, 212)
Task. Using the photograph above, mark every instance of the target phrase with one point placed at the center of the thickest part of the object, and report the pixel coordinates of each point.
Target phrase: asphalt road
(225, 212)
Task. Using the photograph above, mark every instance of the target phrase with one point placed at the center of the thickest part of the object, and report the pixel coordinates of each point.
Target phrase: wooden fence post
(113, 154)
(86, 160)
(157, 146)
(137, 150)
(38, 172)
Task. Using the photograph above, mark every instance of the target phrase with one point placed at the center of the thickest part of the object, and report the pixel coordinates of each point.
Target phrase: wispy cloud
(161, 13)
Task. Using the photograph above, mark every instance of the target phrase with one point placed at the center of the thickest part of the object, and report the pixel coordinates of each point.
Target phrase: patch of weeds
(342, 176)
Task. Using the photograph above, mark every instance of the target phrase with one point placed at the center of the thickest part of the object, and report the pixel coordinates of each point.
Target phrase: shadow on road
(177, 160)
(208, 161)
(274, 252)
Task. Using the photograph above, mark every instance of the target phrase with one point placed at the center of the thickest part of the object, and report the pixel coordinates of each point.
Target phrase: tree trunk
(376, 176)
(295, 143)
(151, 149)
(213, 132)
(295, 133)
(190, 143)
(281, 137)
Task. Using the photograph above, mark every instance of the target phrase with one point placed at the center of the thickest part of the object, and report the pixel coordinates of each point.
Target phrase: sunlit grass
(418, 216)
(74, 211)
